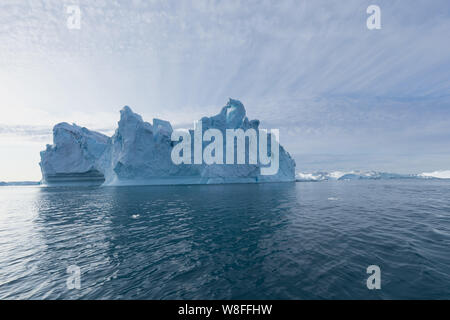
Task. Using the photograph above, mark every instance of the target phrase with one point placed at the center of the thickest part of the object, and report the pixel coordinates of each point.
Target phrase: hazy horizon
(344, 97)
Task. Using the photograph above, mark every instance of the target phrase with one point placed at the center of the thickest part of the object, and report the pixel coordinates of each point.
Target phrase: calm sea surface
(268, 241)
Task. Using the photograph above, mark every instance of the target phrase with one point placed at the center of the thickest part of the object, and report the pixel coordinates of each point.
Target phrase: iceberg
(139, 153)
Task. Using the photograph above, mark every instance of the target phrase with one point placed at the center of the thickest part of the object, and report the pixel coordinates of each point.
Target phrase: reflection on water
(275, 241)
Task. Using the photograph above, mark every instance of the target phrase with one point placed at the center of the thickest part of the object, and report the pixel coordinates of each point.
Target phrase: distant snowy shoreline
(19, 183)
(367, 175)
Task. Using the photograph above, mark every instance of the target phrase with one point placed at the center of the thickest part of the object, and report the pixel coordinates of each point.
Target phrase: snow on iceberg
(140, 153)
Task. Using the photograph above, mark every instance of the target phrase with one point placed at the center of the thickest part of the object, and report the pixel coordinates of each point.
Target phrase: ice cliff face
(140, 153)
(76, 155)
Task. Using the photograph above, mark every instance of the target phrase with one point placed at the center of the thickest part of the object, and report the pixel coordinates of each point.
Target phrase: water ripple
(272, 241)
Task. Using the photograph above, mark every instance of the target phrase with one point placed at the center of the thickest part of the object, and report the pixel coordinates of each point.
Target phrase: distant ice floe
(368, 175)
(445, 174)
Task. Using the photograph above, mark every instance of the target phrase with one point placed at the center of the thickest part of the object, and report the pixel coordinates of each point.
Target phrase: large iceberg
(140, 153)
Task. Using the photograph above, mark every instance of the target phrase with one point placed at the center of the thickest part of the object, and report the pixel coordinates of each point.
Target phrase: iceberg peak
(127, 114)
(234, 113)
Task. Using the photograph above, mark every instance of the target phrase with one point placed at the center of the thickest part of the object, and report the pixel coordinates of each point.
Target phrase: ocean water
(268, 241)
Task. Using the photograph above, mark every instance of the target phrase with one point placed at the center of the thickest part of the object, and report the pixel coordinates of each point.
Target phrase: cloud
(32, 133)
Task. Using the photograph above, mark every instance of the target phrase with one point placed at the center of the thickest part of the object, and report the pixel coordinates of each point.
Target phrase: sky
(344, 97)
